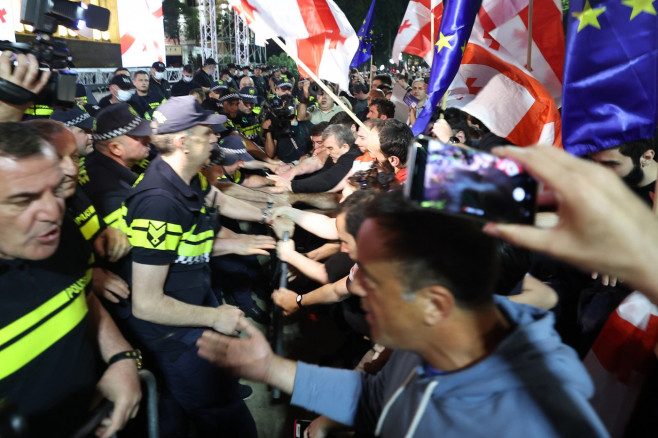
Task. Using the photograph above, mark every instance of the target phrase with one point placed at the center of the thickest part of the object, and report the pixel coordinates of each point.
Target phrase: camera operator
(19, 84)
(326, 106)
(284, 135)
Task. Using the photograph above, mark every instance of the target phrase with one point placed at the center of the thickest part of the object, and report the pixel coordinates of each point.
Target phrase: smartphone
(300, 427)
(468, 182)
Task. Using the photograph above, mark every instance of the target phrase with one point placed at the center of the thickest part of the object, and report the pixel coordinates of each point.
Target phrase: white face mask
(159, 75)
(124, 95)
(187, 78)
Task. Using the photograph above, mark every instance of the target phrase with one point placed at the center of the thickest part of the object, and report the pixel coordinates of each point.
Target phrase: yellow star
(464, 48)
(371, 32)
(640, 6)
(365, 51)
(444, 41)
(588, 16)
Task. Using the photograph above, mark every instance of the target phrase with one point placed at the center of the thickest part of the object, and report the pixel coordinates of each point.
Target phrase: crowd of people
(138, 229)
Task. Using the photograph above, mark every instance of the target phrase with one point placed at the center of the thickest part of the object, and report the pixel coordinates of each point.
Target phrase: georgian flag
(621, 359)
(316, 31)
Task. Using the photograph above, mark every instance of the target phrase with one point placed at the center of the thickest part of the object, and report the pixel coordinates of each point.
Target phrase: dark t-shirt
(47, 361)
(202, 78)
(327, 180)
(182, 88)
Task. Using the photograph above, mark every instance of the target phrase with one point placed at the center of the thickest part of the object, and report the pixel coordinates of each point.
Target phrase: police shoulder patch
(156, 231)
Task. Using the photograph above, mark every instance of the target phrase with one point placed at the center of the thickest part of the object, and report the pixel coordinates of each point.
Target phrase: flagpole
(529, 59)
(326, 89)
(432, 40)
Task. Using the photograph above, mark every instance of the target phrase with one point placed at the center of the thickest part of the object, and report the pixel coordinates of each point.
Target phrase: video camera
(280, 110)
(314, 89)
(44, 16)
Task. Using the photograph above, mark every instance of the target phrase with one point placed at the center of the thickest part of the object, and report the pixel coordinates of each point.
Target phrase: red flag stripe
(541, 112)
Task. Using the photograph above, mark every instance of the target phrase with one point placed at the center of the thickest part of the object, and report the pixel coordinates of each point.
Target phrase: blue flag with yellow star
(610, 92)
(454, 32)
(365, 38)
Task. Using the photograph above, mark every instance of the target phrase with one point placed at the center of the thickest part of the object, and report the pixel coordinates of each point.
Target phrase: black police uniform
(163, 87)
(182, 88)
(248, 125)
(84, 214)
(202, 78)
(168, 224)
(107, 183)
(47, 362)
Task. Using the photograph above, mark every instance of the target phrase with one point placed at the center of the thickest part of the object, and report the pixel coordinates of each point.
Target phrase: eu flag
(610, 74)
(454, 32)
(365, 39)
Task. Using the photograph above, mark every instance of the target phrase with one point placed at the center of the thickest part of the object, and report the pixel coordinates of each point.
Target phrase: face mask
(124, 95)
(159, 75)
(187, 78)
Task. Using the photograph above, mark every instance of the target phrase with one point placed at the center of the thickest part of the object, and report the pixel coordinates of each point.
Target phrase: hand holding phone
(469, 182)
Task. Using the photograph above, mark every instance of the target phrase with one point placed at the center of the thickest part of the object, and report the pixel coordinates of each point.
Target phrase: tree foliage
(174, 12)
(388, 16)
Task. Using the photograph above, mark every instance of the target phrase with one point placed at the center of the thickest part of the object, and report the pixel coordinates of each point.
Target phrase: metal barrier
(150, 392)
(97, 79)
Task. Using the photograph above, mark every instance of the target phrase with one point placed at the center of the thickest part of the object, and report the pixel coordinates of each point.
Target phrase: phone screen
(469, 182)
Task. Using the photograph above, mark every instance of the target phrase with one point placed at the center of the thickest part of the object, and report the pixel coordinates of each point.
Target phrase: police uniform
(80, 208)
(47, 361)
(106, 183)
(247, 125)
(169, 224)
(163, 88)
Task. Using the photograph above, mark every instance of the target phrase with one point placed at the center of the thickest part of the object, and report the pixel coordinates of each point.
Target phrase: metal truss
(208, 29)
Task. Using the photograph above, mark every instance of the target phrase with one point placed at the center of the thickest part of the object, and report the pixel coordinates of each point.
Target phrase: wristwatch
(299, 300)
(453, 140)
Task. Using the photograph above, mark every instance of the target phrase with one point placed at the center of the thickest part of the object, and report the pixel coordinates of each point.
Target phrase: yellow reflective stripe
(91, 227)
(203, 181)
(115, 219)
(20, 353)
(193, 245)
(187, 250)
(151, 234)
(249, 130)
(39, 110)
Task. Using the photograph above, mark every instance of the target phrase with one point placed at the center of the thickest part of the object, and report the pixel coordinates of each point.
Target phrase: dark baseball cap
(75, 116)
(181, 113)
(119, 119)
(248, 94)
(233, 145)
(123, 82)
(159, 66)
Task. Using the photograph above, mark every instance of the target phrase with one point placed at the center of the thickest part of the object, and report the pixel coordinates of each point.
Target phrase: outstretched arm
(599, 219)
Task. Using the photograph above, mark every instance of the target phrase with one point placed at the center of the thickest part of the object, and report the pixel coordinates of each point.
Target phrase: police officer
(121, 140)
(206, 75)
(146, 99)
(172, 233)
(48, 360)
(186, 83)
(159, 80)
(246, 121)
(121, 90)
